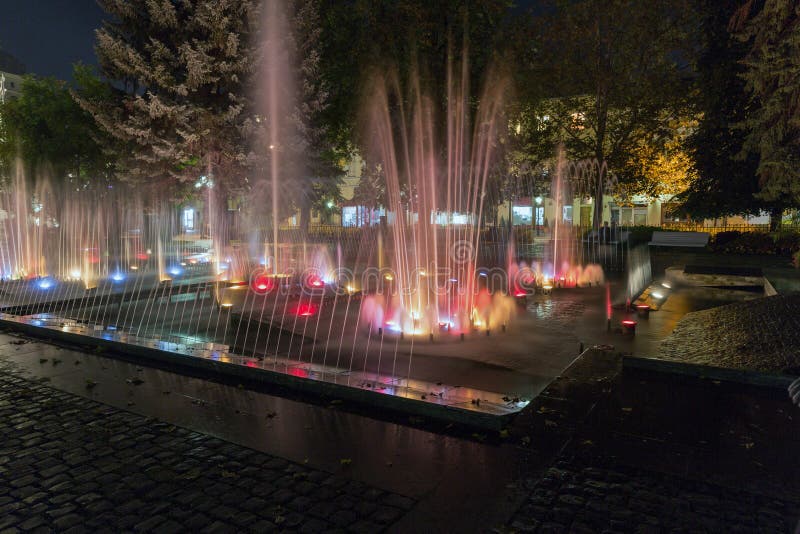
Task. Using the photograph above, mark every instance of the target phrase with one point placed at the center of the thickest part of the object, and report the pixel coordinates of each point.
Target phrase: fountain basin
(407, 396)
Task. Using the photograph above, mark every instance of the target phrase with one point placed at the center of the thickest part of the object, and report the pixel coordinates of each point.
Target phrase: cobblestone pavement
(75, 465)
(760, 335)
(584, 496)
(620, 450)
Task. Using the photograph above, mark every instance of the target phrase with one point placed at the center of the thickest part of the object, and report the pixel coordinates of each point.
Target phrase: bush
(781, 243)
(787, 243)
(722, 239)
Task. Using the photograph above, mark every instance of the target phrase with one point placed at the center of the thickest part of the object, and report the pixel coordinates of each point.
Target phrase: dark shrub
(722, 239)
(787, 243)
(750, 243)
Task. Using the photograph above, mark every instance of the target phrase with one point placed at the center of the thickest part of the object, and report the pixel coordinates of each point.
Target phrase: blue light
(45, 283)
(117, 277)
(175, 271)
(37, 322)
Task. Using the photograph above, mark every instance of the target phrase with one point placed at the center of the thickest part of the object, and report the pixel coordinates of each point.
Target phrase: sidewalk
(650, 452)
(72, 464)
(602, 449)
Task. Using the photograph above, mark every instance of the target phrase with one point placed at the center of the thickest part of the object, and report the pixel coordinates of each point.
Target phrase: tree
(772, 77)
(725, 181)
(371, 189)
(47, 128)
(364, 39)
(179, 71)
(661, 166)
(616, 75)
(311, 152)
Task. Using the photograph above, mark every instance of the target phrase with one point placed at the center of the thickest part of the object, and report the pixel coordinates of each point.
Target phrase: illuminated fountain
(355, 309)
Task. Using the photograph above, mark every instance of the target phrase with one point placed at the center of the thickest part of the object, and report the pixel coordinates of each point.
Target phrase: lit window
(522, 214)
(188, 219)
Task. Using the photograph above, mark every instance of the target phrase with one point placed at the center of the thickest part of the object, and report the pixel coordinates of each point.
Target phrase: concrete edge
(769, 289)
(365, 398)
(739, 376)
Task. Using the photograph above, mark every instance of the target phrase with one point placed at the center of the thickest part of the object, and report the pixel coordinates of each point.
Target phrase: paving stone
(126, 472)
(32, 523)
(67, 521)
(398, 501)
(385, 515)
(313, 525)
(343, 518)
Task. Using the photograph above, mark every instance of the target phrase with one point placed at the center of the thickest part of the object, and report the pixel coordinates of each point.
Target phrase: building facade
(10, 85)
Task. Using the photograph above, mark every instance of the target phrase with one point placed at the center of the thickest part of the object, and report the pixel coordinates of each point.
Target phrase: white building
(10, 85)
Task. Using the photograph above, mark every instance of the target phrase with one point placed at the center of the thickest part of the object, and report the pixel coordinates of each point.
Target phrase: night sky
(48, 36)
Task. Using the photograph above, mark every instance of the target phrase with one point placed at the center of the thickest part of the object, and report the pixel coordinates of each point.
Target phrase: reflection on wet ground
(383, 454)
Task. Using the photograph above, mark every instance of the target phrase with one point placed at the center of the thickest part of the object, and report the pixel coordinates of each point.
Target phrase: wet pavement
(601, 449)
(636, 451)
(392, 457)
(70, 464)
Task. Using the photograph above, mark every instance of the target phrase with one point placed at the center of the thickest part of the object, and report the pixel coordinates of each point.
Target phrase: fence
(714, 230)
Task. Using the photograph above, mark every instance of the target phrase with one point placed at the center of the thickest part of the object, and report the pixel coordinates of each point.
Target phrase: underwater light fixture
(45, 283)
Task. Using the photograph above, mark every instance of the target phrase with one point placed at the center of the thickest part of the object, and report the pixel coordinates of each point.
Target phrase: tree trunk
(305, 218)
(601, 117)
(775, 218)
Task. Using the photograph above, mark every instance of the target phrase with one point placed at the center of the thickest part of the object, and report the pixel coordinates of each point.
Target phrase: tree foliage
(725, 181)
(46, 128)
(661, 167)
(413, 38)
(772, 77)
(615, 72)
(180, 72)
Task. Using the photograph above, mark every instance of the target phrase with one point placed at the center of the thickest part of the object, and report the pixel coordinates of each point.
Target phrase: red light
(141, 256)
(628, 322)
(305, 310)
(642, 307)
(263, 283)
(520, 293)
(315, 281)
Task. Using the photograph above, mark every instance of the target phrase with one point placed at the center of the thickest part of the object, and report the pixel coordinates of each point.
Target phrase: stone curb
(212, 369)
(751, 378)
